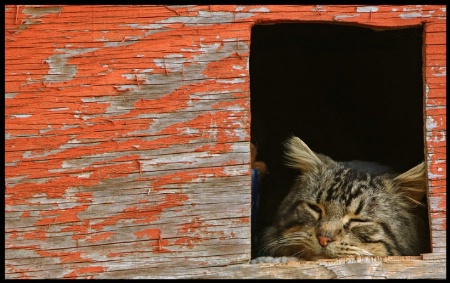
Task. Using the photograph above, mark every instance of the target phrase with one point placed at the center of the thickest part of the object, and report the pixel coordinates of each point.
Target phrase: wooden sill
(362, 267)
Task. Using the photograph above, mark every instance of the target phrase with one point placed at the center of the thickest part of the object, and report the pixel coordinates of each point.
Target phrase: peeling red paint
(194, 225)
(36, 235)
(152, 233)
(438, 187)
(438, 169)
(214, 69)
(245, 219)
(121, 254)
(84, 270)
(159, 246)
(61, 215)
(13, 234)
(196, 229)
(187, 241)
(185, 176)
(175, 101)
(443, 205)
(65, 257)
(25, 214)
(145, 214)
(79, 230)
(100, 237)
(22, 272)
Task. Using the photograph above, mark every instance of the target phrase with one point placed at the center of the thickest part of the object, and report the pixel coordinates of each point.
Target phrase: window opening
(349, 92)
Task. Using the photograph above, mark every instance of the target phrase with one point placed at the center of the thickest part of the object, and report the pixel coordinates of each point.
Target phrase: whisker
(295, 239)
(355, 251)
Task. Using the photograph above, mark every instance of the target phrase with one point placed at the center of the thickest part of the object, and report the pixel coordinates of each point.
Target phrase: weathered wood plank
(350, 268)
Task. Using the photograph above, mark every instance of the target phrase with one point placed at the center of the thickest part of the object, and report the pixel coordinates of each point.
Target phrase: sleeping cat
(338, 209)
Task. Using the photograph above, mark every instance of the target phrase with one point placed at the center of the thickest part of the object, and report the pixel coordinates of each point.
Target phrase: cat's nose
(323, 241)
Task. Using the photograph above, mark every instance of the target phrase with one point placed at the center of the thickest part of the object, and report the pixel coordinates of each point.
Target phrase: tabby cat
(338, 209)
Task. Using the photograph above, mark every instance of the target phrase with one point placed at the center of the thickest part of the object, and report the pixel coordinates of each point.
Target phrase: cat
(338, 209)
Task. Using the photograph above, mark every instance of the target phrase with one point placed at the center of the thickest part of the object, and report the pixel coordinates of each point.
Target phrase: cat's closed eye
(315, 208)
(354, 221)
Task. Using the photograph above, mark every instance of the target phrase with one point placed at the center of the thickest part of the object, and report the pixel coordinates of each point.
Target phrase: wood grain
(127, 140)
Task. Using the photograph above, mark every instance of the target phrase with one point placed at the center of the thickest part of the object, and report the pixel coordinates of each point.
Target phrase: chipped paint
(36, 12)
(260, 10)
(366, 9)
(413, 15)
(10, 95)
(318, 8)
(430, 124)
(59, 70)
(439, 72)
(340, 17)
(21, 116)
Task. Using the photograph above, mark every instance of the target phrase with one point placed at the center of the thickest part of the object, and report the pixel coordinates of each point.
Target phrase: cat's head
(334, 210)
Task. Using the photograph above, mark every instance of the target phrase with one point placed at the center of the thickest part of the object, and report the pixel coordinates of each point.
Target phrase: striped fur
(337, 209)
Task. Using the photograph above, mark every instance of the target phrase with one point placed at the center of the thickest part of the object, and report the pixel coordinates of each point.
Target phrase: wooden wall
(127, 134)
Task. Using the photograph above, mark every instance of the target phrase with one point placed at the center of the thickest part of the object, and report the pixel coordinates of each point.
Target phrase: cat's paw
(269, 259)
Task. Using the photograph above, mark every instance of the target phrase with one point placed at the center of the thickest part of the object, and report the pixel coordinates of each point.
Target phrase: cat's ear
(413, 183)
(300, 156)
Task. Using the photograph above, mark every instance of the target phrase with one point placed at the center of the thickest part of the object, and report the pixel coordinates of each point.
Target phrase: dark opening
(349, 92)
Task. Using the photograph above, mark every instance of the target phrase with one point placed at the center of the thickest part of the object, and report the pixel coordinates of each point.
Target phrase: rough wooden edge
(394, 267)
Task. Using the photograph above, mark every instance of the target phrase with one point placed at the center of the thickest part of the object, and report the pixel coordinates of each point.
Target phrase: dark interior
(349, 92)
